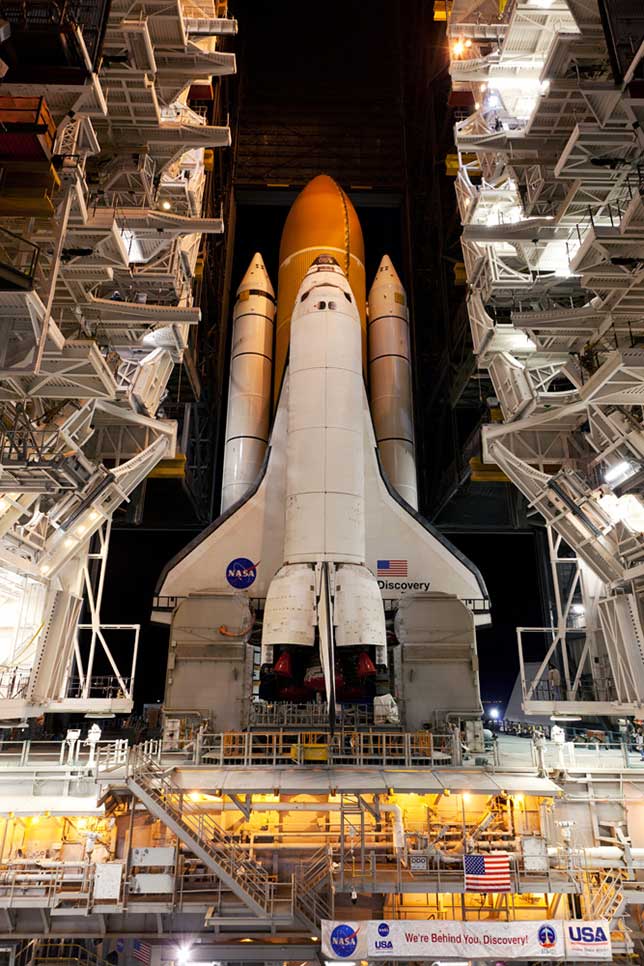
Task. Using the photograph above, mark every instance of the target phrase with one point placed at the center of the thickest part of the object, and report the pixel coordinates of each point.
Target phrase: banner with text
(438, 939)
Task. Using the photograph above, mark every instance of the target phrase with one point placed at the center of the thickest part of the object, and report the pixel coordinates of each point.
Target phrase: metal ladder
(606, 900)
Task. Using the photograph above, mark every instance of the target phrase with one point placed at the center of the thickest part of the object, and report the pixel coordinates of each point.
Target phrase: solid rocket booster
(390, 380)
(249, 386)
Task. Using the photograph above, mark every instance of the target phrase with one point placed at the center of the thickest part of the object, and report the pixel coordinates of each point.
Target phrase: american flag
(487, 873)
(392, 568)
(141, 951)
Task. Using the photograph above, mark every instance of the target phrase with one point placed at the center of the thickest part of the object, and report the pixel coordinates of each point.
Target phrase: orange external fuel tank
(322, 221)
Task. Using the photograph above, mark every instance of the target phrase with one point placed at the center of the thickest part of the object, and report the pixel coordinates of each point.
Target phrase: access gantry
(550, 189)
(109, 117)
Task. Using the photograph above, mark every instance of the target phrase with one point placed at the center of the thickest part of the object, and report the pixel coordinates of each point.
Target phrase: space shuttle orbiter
(319, 529)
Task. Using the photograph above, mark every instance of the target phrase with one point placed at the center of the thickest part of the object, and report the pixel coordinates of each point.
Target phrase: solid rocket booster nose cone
(256, 277)
(386, 274)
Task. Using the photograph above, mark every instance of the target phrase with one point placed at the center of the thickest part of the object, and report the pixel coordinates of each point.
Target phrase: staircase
(312, 881)
(606, 899)
(199, 832)
(56, 952)
(219, 852)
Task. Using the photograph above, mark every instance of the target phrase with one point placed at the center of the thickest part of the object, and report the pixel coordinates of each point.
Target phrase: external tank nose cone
(322, 221)
(323, 217)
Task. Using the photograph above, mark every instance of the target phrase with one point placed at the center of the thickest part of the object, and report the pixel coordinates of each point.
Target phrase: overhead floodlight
(578, 609)
(627, 509)
(517, 82)
(134, 250)
(183, 954)
(458, 47)
(617, 471)
(494, 713)
(565, 717)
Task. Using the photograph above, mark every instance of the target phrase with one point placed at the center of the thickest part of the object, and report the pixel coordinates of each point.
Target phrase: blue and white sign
(438, 939)
(547, 937)
(588, 940)
(344, 940)
(241, 573)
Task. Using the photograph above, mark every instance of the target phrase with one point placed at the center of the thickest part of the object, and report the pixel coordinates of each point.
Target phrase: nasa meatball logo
(241, 573)
(383, 943)
(344, 940)
(547, 937)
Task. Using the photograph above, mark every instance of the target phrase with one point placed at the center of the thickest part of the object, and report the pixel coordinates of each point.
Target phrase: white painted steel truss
(550, 192)
(96, 305)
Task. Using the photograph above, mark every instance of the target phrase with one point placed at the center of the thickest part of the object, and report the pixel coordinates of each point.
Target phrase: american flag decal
(392, 568)
(141, 951)
(487, 873)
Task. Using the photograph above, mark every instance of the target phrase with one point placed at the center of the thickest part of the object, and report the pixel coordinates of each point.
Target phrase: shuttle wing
(243, 549)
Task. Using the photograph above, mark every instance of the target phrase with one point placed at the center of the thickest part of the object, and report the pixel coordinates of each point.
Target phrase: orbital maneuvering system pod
(320, 568)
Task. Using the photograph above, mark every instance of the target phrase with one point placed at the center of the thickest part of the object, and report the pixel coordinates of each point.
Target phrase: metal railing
(47, 883)
(182, 114)
(108, 753)
(62, 952)
(368, 873)
(13, 682)
(312, 885)
(89, 16)
(101, 685)
(40, 882)
(251, 878)
(351, 749)
(287, 713)
(382, 748)
(609, 215)
(19, 256)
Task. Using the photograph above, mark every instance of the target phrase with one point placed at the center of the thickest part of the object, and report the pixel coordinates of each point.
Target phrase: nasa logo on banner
(383, 942)
(344, 940)
(241, 573)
